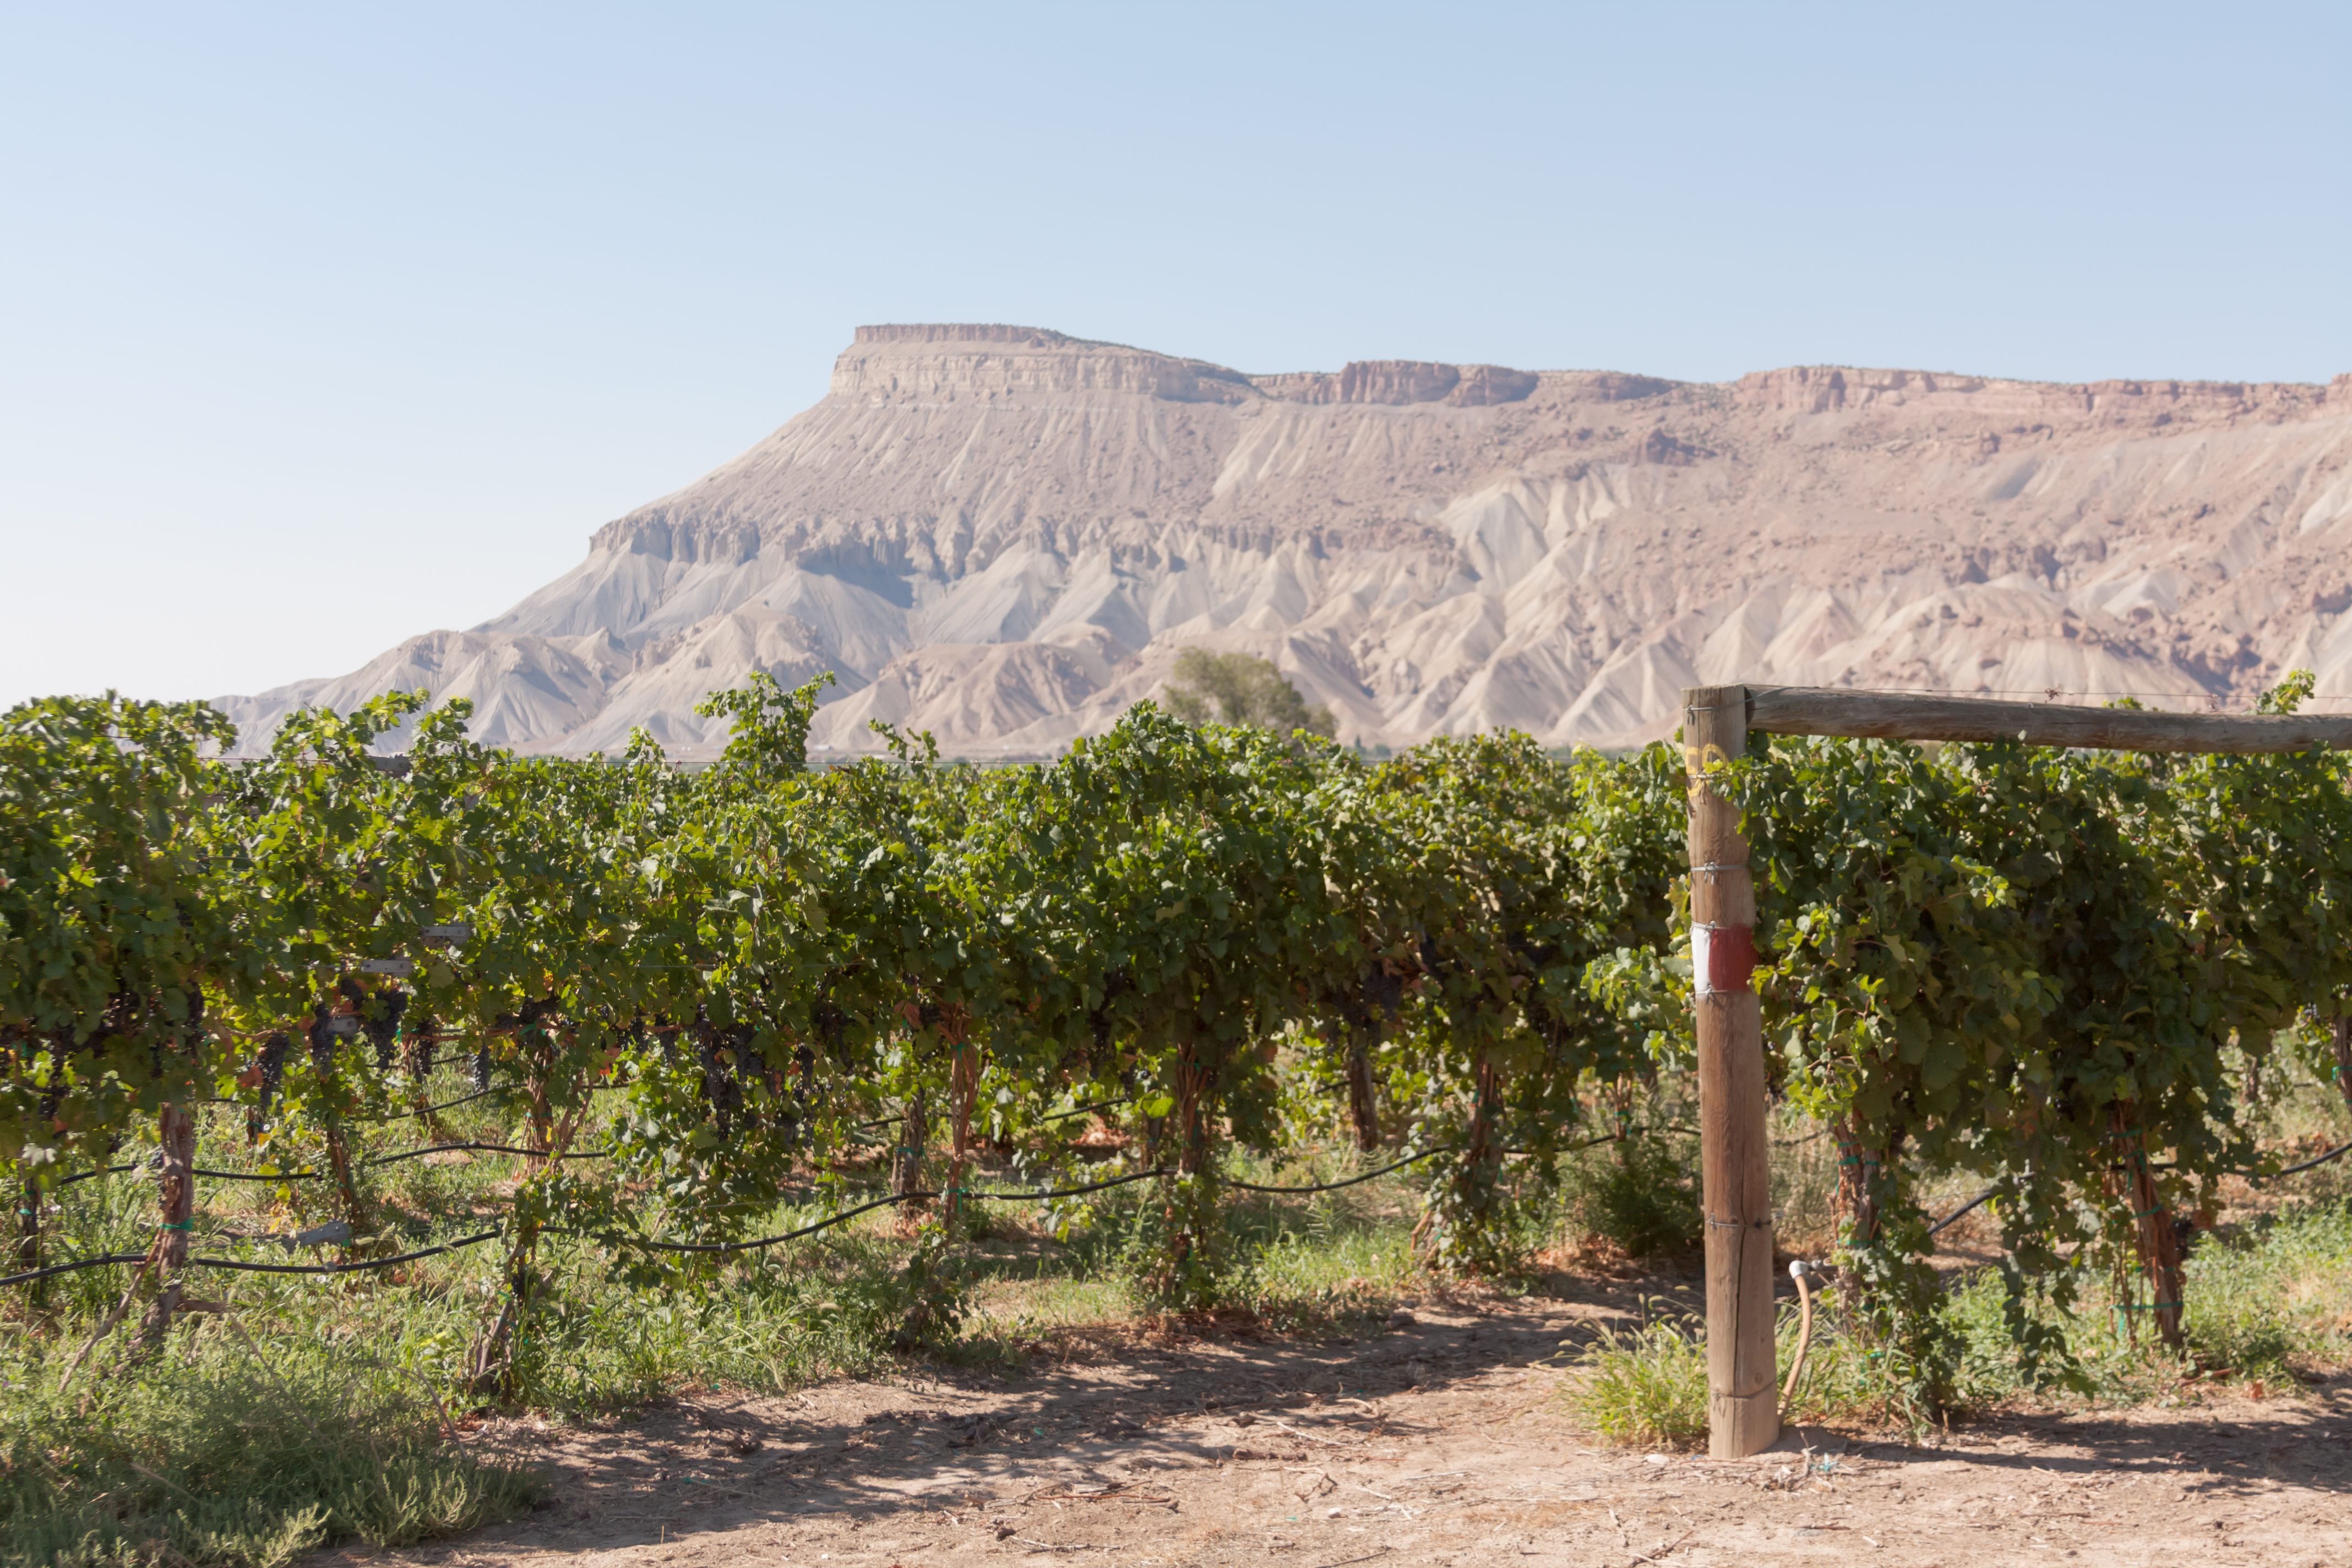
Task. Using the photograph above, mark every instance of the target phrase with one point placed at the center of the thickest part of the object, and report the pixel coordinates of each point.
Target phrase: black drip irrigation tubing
(492, 1148)
(2307, 1164)
(1334, 1186)
(1057, 1116)
(340, 1268)
(103, 1258)
(846, 1214)
(1089, 1110)
(1992, 1191)
(830, 1221)
(252, 1267)
(826, 1223)
(101, 1171)
(1985, 1196)
(215, 1175)
(1414, 1160)
(1024, 1196)
(212, 1175)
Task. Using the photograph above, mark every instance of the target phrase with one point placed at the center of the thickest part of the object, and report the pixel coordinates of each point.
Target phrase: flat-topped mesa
(1006, 535)
(949, 362)
(920, 364)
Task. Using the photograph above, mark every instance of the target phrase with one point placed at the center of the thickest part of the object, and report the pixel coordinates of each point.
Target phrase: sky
(321, 327)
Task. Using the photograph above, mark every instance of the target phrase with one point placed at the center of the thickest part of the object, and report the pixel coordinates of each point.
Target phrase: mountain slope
(1004, 535)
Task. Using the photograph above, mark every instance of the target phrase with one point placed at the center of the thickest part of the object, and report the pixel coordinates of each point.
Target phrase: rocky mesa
(1004, 535)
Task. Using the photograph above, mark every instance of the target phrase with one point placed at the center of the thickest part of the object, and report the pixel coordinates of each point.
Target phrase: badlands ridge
(1004, 535)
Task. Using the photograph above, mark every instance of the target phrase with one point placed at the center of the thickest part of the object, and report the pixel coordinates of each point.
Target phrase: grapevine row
(2065, 974)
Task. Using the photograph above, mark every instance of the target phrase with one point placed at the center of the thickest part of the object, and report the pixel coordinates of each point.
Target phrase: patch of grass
(1645, 1386)
(836, 1305)
(215, 1457)
(1311, 1279)
(2275, 1300)
(1295, 1262)
(2263, 1308)
(2267, 1306)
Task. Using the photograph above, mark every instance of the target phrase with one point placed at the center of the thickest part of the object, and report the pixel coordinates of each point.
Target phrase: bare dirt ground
(1441, 1442)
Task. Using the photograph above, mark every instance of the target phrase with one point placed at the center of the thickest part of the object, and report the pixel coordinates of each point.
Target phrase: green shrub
(1641, 1194)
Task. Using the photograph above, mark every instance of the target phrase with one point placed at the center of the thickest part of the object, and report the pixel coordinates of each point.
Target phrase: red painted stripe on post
(1722, 957)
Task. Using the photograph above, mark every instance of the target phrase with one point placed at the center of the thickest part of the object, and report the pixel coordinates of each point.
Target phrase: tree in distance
(1245, 691)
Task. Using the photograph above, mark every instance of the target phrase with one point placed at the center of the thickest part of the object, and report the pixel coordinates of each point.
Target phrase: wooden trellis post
(1743, 1411)
(1735, 1169)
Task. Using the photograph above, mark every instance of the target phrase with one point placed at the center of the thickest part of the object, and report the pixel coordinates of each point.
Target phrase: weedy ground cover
(233, 1452)
(2269, 1305)
(313, 1410)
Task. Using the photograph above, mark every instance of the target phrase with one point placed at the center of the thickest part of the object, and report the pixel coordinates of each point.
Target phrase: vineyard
(705, 1022)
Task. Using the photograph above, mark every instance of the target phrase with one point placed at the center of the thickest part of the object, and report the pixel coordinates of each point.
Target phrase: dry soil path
(1440, 1443)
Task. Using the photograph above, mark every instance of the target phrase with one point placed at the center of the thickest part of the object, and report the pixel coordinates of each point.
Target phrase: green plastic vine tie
(184, 1225)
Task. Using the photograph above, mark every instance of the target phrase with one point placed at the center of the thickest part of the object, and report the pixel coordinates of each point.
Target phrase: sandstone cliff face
(1393, 381)
(1004, 535)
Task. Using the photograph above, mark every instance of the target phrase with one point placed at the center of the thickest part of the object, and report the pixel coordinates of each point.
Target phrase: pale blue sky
(323, 326)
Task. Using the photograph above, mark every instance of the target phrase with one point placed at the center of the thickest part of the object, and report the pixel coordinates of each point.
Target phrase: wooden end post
(1735, 1174)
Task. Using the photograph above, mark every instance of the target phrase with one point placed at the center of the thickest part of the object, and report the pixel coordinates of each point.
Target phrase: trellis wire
(243, 1267)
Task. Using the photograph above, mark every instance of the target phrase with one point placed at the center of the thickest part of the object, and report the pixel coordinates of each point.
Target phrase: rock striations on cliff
(1004, 535)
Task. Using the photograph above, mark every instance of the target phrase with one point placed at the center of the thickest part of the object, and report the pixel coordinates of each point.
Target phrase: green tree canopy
(1244, 691)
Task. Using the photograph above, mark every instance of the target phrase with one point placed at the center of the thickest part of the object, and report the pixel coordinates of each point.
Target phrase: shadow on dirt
(1164, 1427)
(2222, 1452)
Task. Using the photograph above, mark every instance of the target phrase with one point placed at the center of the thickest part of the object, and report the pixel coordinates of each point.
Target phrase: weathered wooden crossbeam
(1911, 716)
